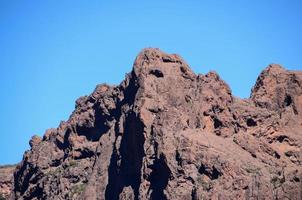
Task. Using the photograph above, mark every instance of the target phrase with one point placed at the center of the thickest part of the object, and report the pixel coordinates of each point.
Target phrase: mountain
(168, 133)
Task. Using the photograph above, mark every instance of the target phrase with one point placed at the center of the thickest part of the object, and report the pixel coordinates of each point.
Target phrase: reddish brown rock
(167, 133)
(6, 180)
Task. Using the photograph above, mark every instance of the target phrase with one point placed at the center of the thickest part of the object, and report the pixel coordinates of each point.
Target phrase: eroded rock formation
(6, 181)
(167, 133)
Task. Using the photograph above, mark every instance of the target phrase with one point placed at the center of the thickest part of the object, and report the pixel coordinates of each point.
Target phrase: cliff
(168, 133)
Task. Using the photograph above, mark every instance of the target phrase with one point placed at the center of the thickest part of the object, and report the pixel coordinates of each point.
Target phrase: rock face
(167, 133)
(6, 180)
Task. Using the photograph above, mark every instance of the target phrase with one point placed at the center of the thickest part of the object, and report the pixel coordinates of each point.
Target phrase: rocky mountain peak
(274, 69)
(167, 133)
(153, 61)
(277, 88)
(153, 56)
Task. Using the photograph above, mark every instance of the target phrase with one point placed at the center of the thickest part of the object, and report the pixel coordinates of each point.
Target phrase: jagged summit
(150, 56)
(274, 69)
(277, 88)
(153, 61)
(167, 133)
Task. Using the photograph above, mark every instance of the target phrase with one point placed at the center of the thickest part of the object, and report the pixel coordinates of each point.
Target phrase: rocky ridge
(168, 133)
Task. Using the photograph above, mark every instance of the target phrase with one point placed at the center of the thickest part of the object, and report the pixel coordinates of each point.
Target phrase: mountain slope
(167, 133)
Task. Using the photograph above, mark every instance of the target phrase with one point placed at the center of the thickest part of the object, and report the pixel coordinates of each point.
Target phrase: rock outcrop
(168, 133)
(6, 181)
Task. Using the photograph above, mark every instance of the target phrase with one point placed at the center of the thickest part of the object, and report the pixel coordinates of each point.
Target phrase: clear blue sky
(52, 52)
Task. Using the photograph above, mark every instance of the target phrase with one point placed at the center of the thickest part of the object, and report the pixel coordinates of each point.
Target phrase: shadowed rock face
(167, 133)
